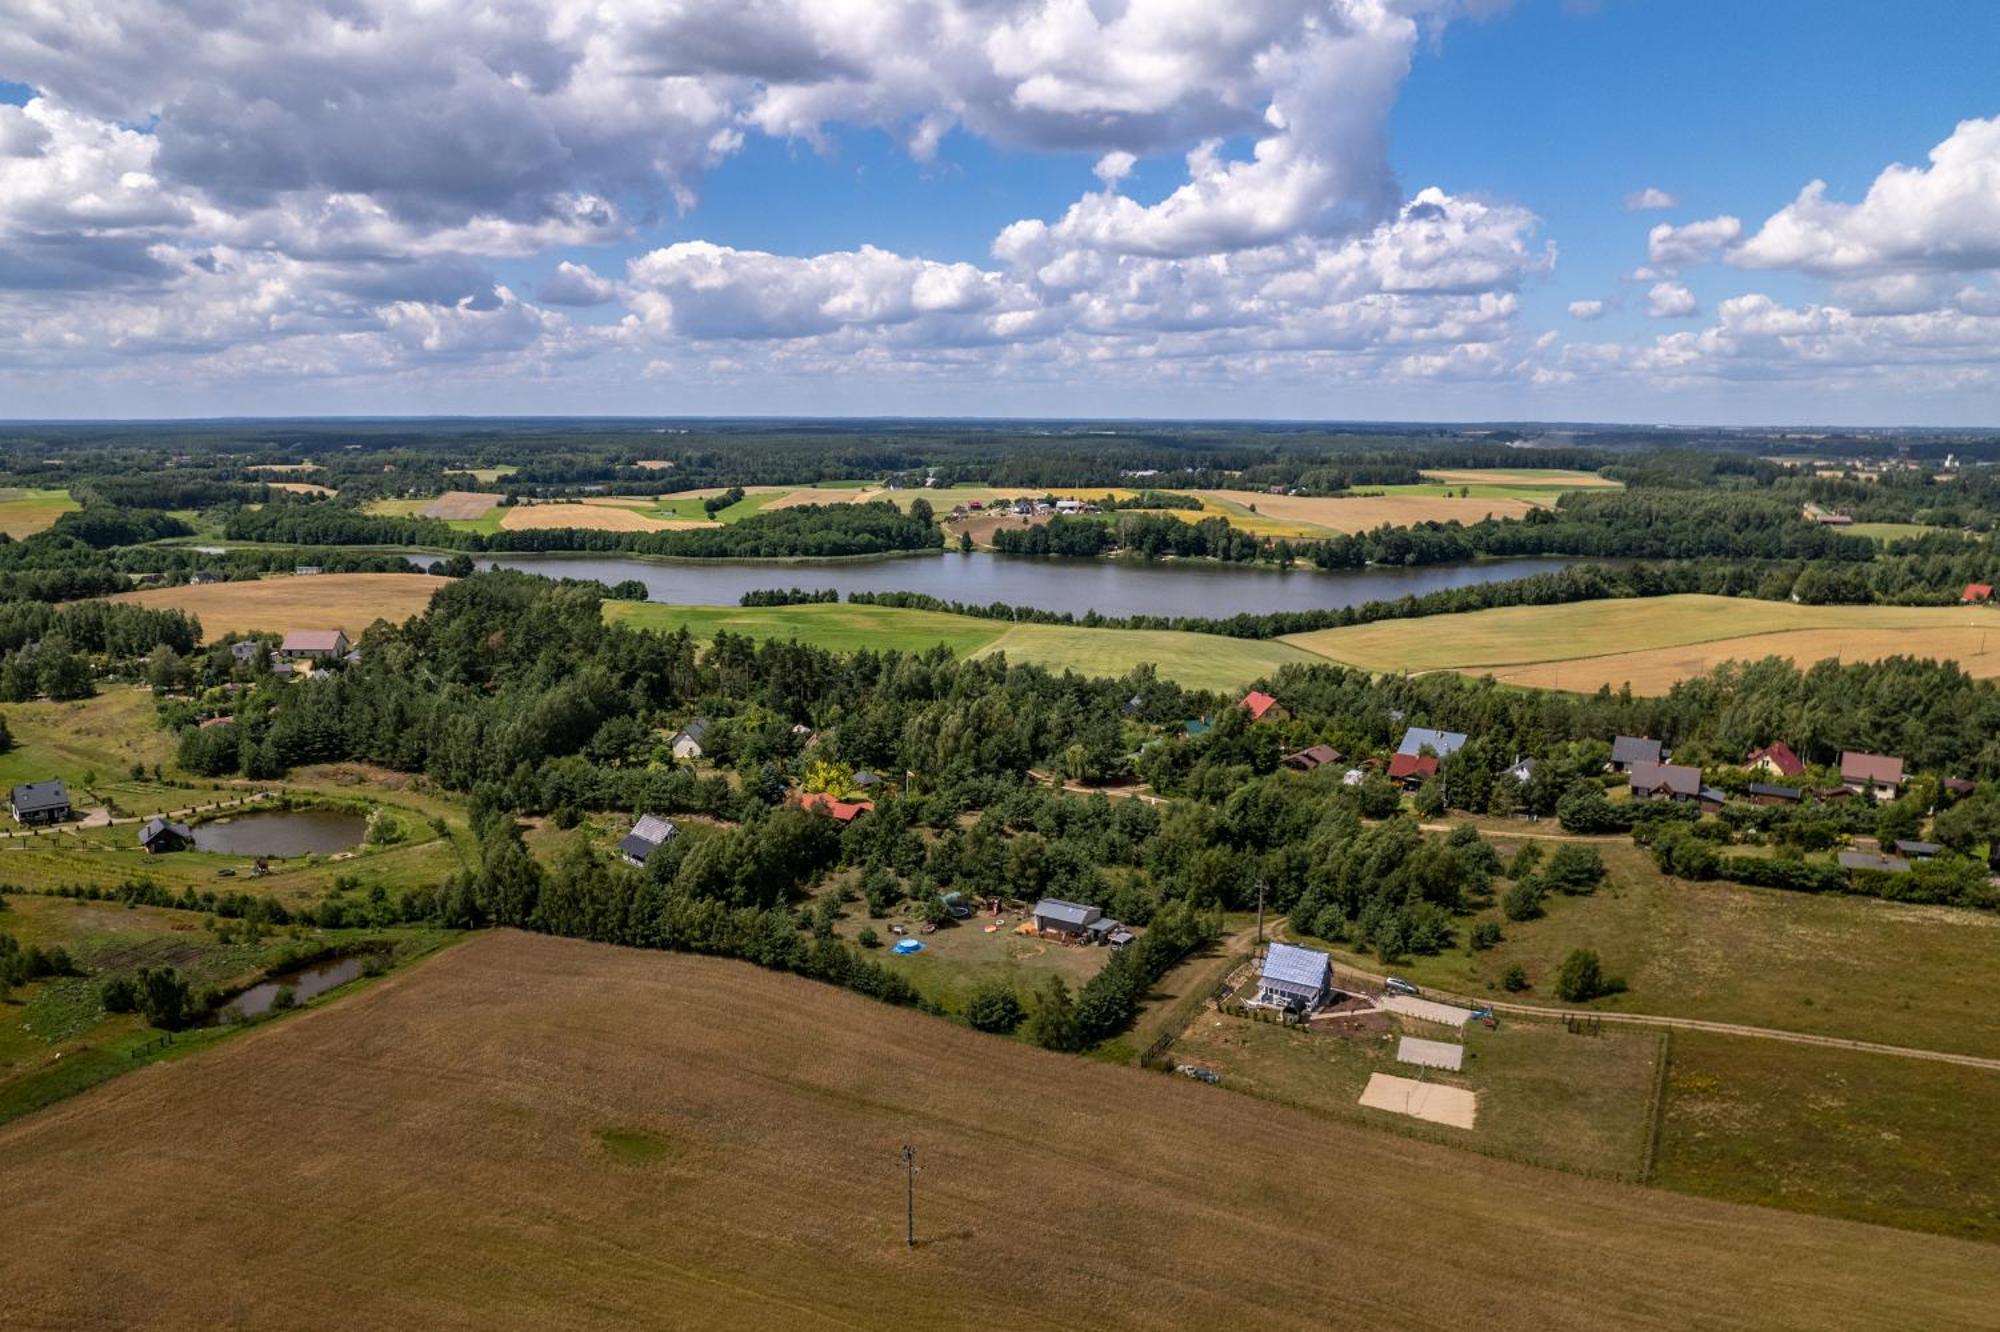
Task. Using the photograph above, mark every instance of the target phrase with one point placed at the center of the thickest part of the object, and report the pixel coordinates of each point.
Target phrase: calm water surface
(1109, 587)
(294, 832)
(305, 983)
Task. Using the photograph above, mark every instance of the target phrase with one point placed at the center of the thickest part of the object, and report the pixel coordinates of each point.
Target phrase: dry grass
(1654, 641)
(827, 495)
(300, 487)
(24, 512)
(597, 517)
(1361, 513)
(655, 464)
(350, 602)
(284, 467)
(1523, 476)
(533, 1132)
(460, 505)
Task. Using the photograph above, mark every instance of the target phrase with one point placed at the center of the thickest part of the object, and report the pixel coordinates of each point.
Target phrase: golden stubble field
(599, 517)
(349, 602)
(532, 1132)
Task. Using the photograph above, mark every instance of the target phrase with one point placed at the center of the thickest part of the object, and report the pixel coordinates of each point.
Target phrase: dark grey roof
(40, 795)
(1769, 789)
(1715, 794)
(652, 830)
(154, 827)
(1073, 915)
(1295, 965)
(867, 778)
(1918, 849)
(694, 730)
(1442, 743)
(1635, 749)
(1670, 777)
(1863, 860)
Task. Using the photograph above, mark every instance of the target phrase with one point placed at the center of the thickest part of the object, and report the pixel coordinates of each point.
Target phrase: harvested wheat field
(461, 506)
(597, 517)
(827, 495)
(300, 487)
(350, 602)
(534, 1132)
(1652, 642)
(1362, 513)
(1556, 478)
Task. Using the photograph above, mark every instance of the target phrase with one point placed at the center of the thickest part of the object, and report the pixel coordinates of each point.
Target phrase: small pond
(305, 982)
(283, 832)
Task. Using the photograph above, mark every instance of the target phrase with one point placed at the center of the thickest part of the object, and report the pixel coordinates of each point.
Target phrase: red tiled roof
(1782, 758)
(1978, 592)
(845, 811)
(1413, 765)
(1259, 703)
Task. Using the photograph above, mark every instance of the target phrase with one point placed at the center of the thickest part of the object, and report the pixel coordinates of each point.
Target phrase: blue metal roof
(1442, 743)
(1295, 965)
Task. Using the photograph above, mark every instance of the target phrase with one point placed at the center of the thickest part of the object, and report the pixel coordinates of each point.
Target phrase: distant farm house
(687, 742)
(648, 835)
(157, 836)
(1075, 922)
(1976, 593)
(1630, 750)
(1825, 517)
(314, 644)
(840, 811)
(1879, 775)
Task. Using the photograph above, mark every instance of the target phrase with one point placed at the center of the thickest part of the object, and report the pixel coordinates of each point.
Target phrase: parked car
(1397, 985)
(1198, 1073)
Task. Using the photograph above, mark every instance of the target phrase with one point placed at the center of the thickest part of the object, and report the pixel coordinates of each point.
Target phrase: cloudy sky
(1696, 211)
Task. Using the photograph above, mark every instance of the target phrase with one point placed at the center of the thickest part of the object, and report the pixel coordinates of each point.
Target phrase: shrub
(1523, 900)
(1574, 869)
(1485, 935)
(1581, 977)
(165, 998)
(994, 1008)
(119, 995)
(867, 937)
(1514, 979)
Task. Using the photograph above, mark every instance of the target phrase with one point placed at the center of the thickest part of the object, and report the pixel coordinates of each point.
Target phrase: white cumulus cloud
(1670, 300)
(1649, 199)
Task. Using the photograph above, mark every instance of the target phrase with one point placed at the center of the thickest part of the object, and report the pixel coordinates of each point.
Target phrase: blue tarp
(907, 946)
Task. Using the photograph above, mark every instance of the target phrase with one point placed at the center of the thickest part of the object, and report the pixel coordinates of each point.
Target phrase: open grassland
(24, 512)
(1841, 1133)
(350, 602)
(530, 1132)
(1536, 478)
(1892, 531)
(1312, 515)
(300, 487)
(1545, 1097)
(1198, 661)
(104, 736)
(1852, 967)
(1654, 641)
(460, 505)
(961, 957)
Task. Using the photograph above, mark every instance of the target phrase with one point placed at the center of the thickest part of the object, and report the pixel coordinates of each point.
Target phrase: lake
(285, 832)
(1109, 587)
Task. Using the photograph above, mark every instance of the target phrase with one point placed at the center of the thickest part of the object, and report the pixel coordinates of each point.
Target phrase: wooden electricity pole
(909, 1159)
(1260, 913)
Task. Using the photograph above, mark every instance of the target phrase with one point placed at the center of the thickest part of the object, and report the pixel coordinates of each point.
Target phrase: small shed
(1293, 977)
(157, 836)
(1769, 793)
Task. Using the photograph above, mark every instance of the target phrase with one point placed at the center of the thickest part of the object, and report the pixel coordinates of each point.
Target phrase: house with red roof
(1977, 592)
(841, 811)
(1776, 759)
(1412, 770)
(1262, 707)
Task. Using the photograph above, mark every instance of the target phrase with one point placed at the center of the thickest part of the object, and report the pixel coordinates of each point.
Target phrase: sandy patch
(655, 464)
(1427, 1101)
(598, 517)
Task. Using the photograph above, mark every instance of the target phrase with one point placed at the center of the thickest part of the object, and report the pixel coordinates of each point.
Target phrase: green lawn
(1898, 1142)
(1890, 531)
(1854, 967)
(100, 737)
(1198, 661)
(961, 957)
(25, 511)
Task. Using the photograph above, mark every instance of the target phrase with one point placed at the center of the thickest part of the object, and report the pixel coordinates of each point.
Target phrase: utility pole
(1260, 913)
(909, 1159)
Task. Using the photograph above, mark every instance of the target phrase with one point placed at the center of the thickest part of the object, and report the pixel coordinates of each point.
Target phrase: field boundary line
(1656, 1110)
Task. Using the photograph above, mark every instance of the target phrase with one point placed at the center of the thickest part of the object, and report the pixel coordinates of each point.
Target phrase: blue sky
(1336, 208)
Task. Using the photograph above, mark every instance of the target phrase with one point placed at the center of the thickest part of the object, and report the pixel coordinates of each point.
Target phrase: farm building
(1776, 759)
(1069, 920)
(840, 811)
(244, 652)
(1313, 756)
(314, 643)
(1917, 850)
(157, 836)
(687, 742)
(1262, 707)
(1628, 751)
(1441, 743)
(1878, 775)
(648, 835)
(1769, 793)
(40, 802)
(1296, 978)
(1977, 592)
